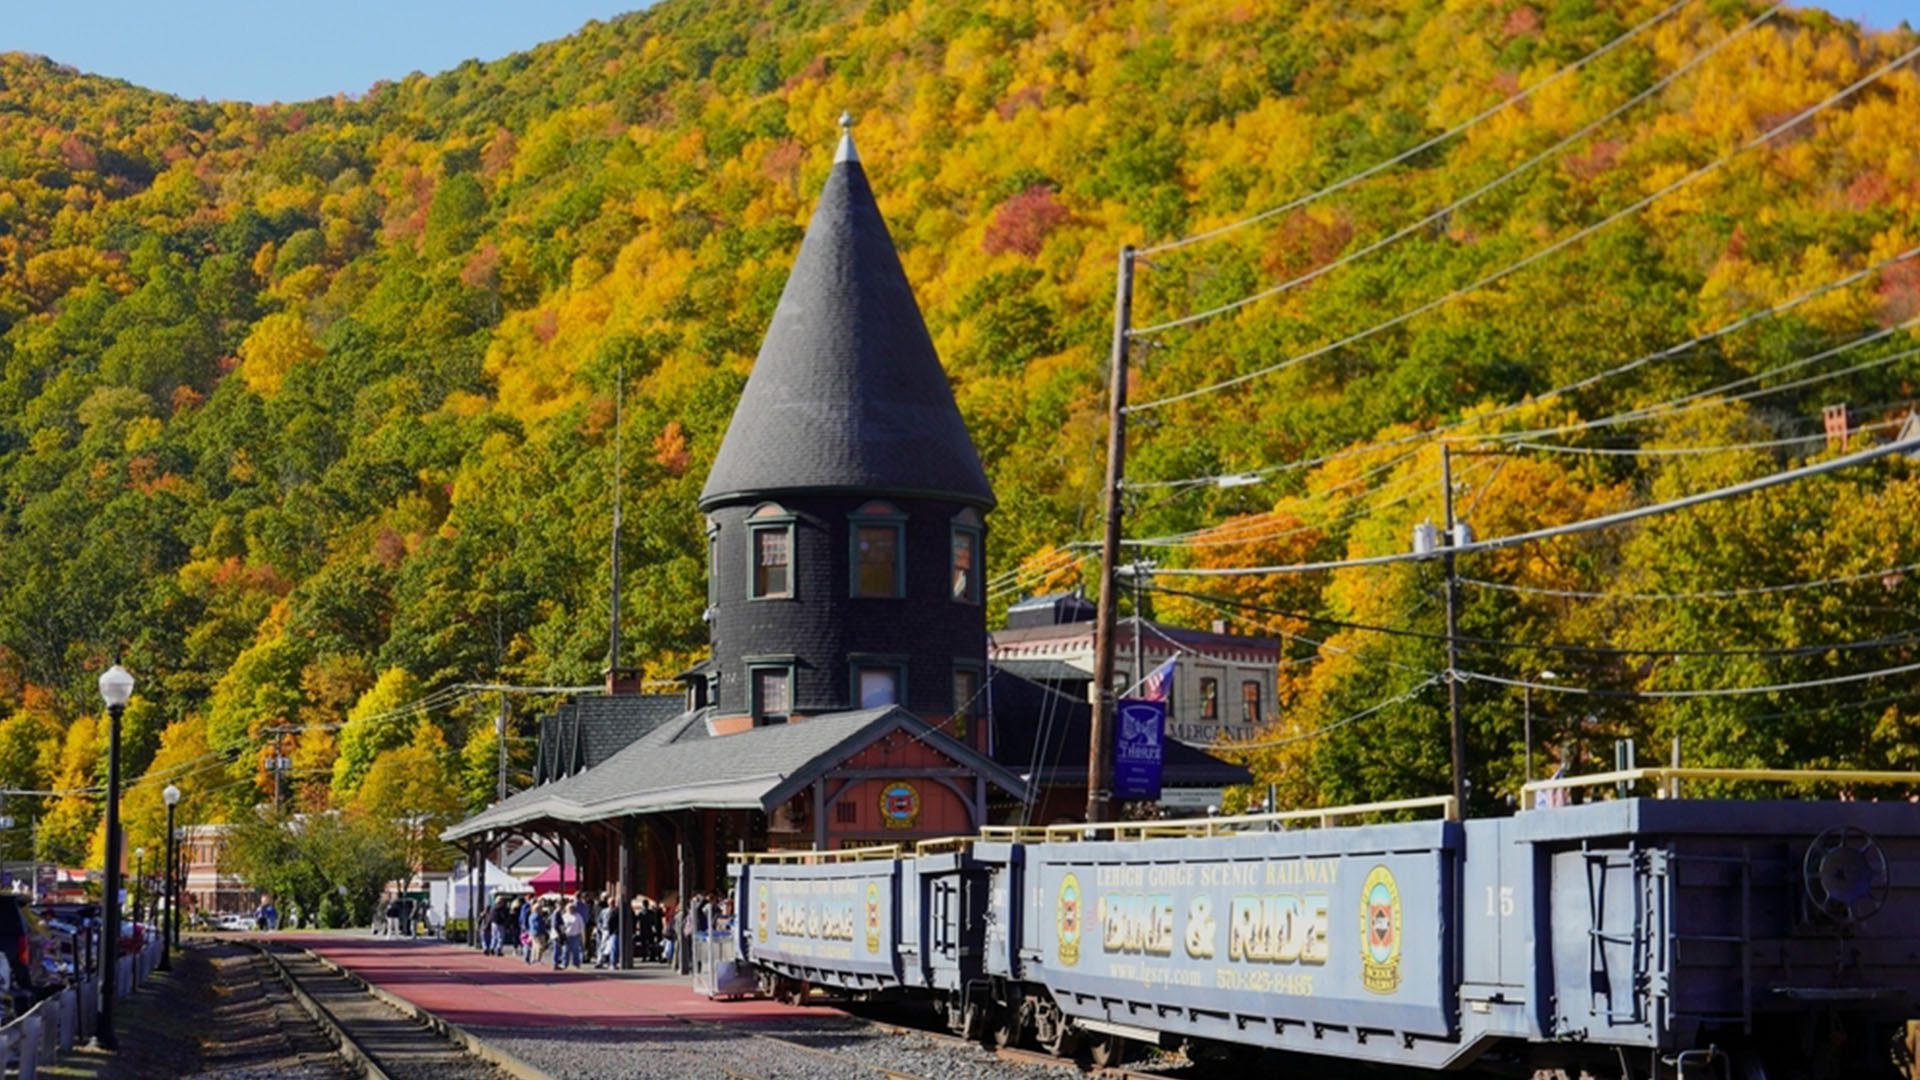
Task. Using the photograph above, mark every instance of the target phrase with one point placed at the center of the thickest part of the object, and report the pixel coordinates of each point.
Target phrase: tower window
(966, 697)
(966, 566)
(877, 680)
(878, 532)
(964, 581)
(1250, 701)
(879, 686)
(1209, 699)
(772, 561)
(772, 691)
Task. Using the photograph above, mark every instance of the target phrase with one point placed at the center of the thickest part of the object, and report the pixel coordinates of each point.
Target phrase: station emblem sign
(1380, 932)
(873, 916)
(1066, 921)
(899, 805)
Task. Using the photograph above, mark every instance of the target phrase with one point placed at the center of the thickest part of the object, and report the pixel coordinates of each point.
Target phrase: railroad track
(390, 1038)
(381, 1035)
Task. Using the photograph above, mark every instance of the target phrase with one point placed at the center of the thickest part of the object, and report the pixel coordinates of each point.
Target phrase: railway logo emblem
(1380, 932)
(873, 916)
(1066, 920)
(899, 805)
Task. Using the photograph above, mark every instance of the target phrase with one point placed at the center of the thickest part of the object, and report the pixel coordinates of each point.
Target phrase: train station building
(848, 699)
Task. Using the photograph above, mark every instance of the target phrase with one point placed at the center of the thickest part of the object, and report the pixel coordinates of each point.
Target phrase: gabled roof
(848, 394)
(586, 731)
(680, 766)
(1043, 671)
(1042, 733)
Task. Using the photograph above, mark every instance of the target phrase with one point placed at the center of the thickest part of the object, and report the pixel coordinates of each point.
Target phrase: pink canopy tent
(548, 880)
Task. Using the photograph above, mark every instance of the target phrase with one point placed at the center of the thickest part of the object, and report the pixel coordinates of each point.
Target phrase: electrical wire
(1471, 196)
(1325, 729)
(1678, 451)
(1724, 691)
(1718, 594)
(1558, 245)
(1406, 155)
(1708, 398)
(1907, 637)
(1746, 487)
(1668, 353)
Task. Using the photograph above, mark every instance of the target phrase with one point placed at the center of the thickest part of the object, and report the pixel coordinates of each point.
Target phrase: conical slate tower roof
(847, 394)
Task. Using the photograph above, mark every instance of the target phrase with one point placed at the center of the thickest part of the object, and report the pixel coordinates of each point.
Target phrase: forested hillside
(306, 411)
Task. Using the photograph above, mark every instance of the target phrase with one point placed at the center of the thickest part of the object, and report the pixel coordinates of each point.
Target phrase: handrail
(1669, 779)
(813, 856)
(1327, 817)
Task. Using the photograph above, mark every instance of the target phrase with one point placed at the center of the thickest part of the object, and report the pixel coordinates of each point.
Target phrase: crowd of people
(568, 929)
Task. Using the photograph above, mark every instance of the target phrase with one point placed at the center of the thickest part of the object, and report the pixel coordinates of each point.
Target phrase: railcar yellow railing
(1325, 817)
(1667, 781)
(811, 857)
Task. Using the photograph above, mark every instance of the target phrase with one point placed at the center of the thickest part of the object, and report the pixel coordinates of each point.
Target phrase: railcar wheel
(1005, 1027)
(1108, 1051)
(1052, 1030)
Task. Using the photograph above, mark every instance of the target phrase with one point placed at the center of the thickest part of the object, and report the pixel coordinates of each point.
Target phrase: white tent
(491, 881)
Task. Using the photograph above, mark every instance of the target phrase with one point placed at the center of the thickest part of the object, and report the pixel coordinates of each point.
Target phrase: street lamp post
(139, 889)
(116, 688)
(168, 938)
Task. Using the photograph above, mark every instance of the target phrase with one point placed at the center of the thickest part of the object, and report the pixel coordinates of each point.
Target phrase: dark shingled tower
(846, 506)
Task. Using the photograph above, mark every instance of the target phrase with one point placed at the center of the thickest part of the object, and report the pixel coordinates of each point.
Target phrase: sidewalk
(470, 989)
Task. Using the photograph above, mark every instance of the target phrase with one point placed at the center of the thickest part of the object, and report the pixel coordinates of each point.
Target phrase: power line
(1725, 691)
(1558, 245)
(1906, 638)
(1681, 451)
(1707, 398)
(1452, 207)
(1406, 155)
(1717, 594)
(1533, 401)
(1324, 729)
(1785, 476)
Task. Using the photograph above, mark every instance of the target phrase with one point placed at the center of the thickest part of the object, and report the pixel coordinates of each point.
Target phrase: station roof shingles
(679, 766)
(847, 394)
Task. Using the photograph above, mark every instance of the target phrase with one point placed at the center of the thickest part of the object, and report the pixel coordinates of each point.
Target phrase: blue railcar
(1633, 937)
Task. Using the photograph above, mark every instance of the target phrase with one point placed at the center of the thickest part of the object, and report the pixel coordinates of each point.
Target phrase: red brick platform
(469, 988)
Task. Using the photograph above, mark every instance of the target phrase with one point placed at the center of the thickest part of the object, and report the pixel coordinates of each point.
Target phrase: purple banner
(1139, 737)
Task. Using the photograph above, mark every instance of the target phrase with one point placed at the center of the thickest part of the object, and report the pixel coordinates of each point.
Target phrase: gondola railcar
(1635, 937)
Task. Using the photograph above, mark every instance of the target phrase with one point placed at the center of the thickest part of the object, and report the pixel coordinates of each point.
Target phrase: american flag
(1155, 686)
(1555, 796)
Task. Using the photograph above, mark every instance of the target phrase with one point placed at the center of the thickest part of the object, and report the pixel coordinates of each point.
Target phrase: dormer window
(770, 535)
(878, 564)
(964, 574)
(877, 680)
(770, 685)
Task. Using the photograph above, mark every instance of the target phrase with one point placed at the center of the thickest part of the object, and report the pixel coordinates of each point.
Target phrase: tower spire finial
(846, 152)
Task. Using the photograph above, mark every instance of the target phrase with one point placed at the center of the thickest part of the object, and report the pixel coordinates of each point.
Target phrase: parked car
(31, 952)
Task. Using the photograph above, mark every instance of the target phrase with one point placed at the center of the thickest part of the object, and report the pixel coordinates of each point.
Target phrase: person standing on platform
(539, 926)
(609, 936)
(570, 928)
(524, 909)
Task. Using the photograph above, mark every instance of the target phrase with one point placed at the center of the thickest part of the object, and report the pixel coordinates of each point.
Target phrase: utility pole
(1139, 569)
(1457, 731)
(1100, 740)
(500, 742)
(279, 764)
(613, 620)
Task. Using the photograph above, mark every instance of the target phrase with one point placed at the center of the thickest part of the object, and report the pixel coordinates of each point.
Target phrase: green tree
(381, 720)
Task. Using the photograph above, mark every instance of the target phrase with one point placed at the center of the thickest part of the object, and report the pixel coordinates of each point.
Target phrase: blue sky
(273, 50)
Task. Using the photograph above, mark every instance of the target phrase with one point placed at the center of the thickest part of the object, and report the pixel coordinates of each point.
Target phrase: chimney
(624, 680)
